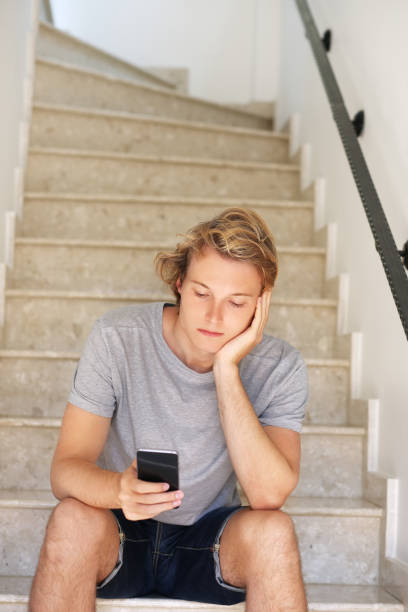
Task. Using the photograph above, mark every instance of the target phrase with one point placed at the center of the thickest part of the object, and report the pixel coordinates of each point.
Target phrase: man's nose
(214, 312)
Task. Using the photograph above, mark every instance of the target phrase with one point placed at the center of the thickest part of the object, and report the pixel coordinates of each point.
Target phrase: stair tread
(142, 297)
(139, 244)
(173, 94)
(219, 163)
(74, 355)
(320, 597)
(295, 505)
(249, 202)
(331, 430)
(198, 125)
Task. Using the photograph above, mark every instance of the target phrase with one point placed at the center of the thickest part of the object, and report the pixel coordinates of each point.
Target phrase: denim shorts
(177, 561)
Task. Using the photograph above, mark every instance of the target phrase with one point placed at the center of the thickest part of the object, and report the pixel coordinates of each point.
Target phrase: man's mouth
(205, 332)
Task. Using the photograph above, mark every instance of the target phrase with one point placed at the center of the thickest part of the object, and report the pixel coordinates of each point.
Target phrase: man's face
(219, 295)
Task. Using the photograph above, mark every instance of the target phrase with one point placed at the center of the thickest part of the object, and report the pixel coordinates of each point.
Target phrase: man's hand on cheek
(233, 351)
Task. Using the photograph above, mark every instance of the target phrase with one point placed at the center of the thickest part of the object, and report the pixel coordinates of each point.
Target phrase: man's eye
(200, 294)
(237, 305)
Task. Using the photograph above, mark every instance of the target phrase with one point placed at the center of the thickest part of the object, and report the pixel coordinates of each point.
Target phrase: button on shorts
(177, 561)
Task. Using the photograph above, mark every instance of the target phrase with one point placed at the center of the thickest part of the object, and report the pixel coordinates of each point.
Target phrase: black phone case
(155, 466)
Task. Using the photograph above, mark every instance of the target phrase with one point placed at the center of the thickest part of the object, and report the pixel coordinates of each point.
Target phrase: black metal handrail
(384, 241)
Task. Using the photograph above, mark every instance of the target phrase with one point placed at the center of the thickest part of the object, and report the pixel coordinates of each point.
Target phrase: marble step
(14, 592)
(331, 457)
(155, 218)
(338, 538)
(37, 384)
(96, 172)
(61, 321)
(65, 127)
(81, 265)
(59, 82)
(152, 218)
(55, 44)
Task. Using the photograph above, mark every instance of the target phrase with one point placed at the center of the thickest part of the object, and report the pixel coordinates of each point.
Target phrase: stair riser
(74, 131)
(35, 387)
(27, 454)
(63, 325)
(40, 387)
(56, 45)
(112, 269)
(56, 85)
(147, 221)
(75, 174)
(331, 466)
(343, 550)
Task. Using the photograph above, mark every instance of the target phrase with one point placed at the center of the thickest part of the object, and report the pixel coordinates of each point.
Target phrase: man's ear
(178, 284)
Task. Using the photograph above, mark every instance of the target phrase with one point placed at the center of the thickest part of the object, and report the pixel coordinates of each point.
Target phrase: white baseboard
(305, 166)
(373, 434)
(2, 293)
(343, 303)
(319, 203)
(10, 232)
(294, 134)
(391, 528)
(394, 579)
(356, 364)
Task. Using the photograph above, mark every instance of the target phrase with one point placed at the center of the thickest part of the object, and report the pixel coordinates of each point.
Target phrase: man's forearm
(86, 482)
(262, 470)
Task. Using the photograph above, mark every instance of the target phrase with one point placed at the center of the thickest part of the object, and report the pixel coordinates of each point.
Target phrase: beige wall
(229, 46)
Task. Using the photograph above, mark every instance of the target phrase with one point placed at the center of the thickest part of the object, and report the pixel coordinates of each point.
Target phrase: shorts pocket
(119, 563)
(216, 556)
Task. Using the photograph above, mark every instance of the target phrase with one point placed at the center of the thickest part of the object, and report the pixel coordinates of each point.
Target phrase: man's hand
(143, 500)
(233, 351)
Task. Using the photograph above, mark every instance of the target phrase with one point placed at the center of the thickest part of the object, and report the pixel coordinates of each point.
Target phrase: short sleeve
(92, 387)
(289, 398)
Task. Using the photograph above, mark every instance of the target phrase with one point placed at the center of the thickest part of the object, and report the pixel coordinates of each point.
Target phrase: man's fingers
(144, 510)
(142, 486)
(154, 499)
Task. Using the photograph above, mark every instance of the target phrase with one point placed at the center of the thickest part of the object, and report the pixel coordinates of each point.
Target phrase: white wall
(230, 46)
(369, 56)
(16, 22)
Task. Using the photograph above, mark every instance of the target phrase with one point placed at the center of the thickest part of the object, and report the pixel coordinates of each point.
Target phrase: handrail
(384, 241)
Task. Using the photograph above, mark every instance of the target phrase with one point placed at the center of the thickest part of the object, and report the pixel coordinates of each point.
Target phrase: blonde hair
(238, 233)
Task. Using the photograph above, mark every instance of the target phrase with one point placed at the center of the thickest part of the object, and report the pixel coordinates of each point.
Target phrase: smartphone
(155, 465)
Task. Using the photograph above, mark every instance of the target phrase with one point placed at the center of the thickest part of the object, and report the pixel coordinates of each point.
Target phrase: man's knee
(75, 527)
(271, 530)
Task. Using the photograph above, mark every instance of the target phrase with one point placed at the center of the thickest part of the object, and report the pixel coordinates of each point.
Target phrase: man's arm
(73, 470)
(265, 459)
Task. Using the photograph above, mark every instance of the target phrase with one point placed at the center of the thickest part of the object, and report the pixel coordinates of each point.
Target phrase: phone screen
(155, 465)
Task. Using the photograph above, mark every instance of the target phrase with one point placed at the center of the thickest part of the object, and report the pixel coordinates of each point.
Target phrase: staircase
(119, 163)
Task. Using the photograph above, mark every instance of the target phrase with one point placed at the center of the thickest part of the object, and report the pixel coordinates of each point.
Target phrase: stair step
(59, 82)
(65, 127)
(58, 170)
(55, 44)
(338, 451)
(81, 265)
(321, 598)
(338, 538)
(61, 320)
(37, 383)
(154, 218)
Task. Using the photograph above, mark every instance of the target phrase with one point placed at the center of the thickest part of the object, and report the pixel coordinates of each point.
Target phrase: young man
(198, 377)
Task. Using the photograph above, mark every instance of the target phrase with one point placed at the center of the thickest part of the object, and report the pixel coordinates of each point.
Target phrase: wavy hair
(238, 233)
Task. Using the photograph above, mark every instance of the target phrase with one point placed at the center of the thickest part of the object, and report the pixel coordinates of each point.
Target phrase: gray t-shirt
(128, 372)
